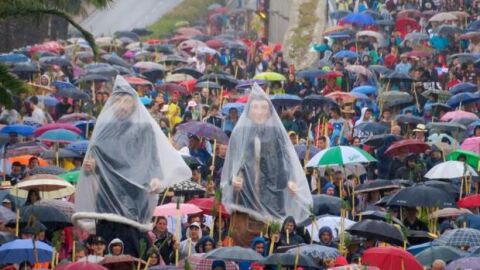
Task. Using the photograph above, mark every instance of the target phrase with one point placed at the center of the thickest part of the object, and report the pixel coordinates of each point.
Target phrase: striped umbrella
(340, 155)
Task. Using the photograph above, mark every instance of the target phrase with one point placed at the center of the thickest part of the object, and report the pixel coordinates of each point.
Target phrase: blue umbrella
(439, 43)
(359, 96)
(21, 250)
(310, 73)
(20, 129)
(226, 108)
(463, 87)
(471, 127)
(286, 100)
(371, 127)
(365, 89)
(474, 26)
(78, 146)
(462, 98)
(359, 18)
(59, 136)
(48, 100)
(83, 126)
(337, 15)
(66, 89)
(320, 47)
(345, 54)
(13, 58)
(145, 100)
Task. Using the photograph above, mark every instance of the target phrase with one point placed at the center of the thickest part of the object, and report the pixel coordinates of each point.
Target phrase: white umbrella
(450, 170)
(50, 187)
(330, 221)
(149, 65)
(378, 36)
(443, 16)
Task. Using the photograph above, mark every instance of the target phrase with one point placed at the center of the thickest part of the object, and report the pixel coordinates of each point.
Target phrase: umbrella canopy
(340, 155)
(471, 144)
(449, 212)
(270, 76)
(207, 205)
(21, 250)
(49, 216)
(471, 201)
(122, 262)
(149, 65)
(325, 204)
(52, 170)
(311, 73)
(423, 196)
(445, 253)
(49, 186)
(25, 159)
(27, 148)
(343, 96)
(359, 18)
(442, 17)
(301, 150)
(84, 265)
(235, 253)
(450, 170)
(72, 176)
(379, 215)
(286, 100)
(463, 237)
(409, 119)
(377, 140)
(64, 207)
(6, 214)
(472, 158)
(74, 117)
(333, 222)
(458, 115)
(377, 230)
(170, 209)
(405, 147)
(372, 128)
(78, 146)
(464, 263)
(394, 98)
(345, 54)
(392, 258)
(462, 98)
(203, 129)
(198, 262)
(59, 136)
(377, 184)
(365, 89)
(187, 187)
(208, 85)
(358, 69)
(41, 130)
(189, 71)
(463, 87)
(315, 252)
(20, 129)
(289, 260)
(317, 101)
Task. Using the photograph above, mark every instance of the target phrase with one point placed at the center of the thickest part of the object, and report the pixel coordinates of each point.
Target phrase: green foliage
(10, 86)
(142, 248)
(56, 240)
(187, 265)
(304, 31)
(275, 227)
(189, 10)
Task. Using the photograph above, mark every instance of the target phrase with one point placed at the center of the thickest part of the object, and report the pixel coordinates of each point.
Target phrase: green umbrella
(71, 177)
(340, 155)
(472, 158)
(270, 76)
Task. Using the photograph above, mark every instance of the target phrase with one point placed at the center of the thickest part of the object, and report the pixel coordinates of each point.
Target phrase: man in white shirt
(38, 115)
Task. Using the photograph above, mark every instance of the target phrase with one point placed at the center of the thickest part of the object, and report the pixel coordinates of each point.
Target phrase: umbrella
(20, 129)
(405, 147)
(340, 155)
(418, 54)
(21, 250)
(53, 170)
(460, 238)
(187, 187)
(343, 96)
(315, 252)
(377, 230)
(26, 148)
(228, 106)
(365, 89)
(394, 98)
(270, 76)
(301, 149)
(207, 84)
(333, 222)
(462, 98)
(337, 15)
(345, 54)
(379, 215)
(236, 254)
(198, 262)
(49, 216)
(84, 126)
(359, 70)
(380, 69)
(409, 13)
(47, 100)
(471, 144)
(136, 80)
(189, 71)
(74, 117)
(470, 35)
(448, 30)
(13, 58)
(50, 187)
(311, 73)
(354, 266)
(444, 185)
(409, 119)
(464, 263)
(25, 159)
(445, 127)
(71, 176)
(73, 93)
(463, 87)
(173, 87)
(325, 204)
(286, 100)
(317, 101)
(170, 209)
(222, 79)
(391, 258)
(378, 184)
(450, 212)
(372, 127)
(114, 59)
(377, 140)
(362, 19)
(399, 76)
(59, 136)
(203, 129)
(417, 36)
(149, 65)
(472, 158)
(422, 196)
(122, 262)
(93, 78)
(471, 201)
(84, 265)
(443, 16)
(207, 205)
(78, 146)
(6, 237)
(450, 170)
(39, 131)
(288, 259)
(64, 207)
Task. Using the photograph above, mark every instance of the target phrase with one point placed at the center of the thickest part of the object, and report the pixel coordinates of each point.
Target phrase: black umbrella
(207, 84)
(380, 215)
(318, 101)
(446, 186)
(423, 196)
(73, 93)
(62, 153)
(153, 75)
(51, 217)
(440, 106)
(128, 34)
(442, 127)
(159, 48)
(371, 127)
(123, 70)
(378, 140)
(222, 79)
(189, 71)
(447, 30)
(325, 204)
(102, 69)
(374, 185)
(93, 78)
(187, 187)
(409, 119)
(380, 69)
(114, 59)
(173, 60)
(142, 31)
(236, 254)
(24, 67)
(287, 259)
(54, 60)
(377, 230)
(399, 76)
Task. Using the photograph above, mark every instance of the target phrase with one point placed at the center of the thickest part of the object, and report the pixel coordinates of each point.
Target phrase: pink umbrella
(39, 131)
(457, 115)
(198, 262)
(189, 31)
(129, 54)
(190, 44)
(73, 117)
(170, 209)
(472, 144)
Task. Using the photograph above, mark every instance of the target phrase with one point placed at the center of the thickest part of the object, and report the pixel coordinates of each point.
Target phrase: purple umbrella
(27, 148)
(205, 130)
(464, 263)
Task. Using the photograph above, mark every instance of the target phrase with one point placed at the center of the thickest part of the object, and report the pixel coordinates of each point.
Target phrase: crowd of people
(395, 82)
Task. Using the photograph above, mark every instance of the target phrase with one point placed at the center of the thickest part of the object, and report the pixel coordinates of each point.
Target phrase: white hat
(192, 103)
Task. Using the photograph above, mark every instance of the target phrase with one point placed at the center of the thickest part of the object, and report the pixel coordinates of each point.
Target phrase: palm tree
(9, 84)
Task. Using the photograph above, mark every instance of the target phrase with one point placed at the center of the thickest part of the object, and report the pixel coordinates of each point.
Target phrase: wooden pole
(297, 257)
(74, 248)
(213, 157)
(148, 263)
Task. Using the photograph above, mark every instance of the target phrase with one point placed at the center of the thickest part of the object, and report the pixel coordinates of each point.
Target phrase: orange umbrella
(344, 96)
(25, 158)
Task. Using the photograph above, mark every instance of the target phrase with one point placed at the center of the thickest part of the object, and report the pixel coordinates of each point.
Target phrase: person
(412, 222)
(419, 132)
(162, 239)
(218, 265)
(412, 170)
(261, 170)
(33, 196)
(206, 244)
(438, 265)
(325, 236)
(98, 246)
(62, 108)
(122, 172)
(17, 173)
(154, 258)
(115, 247)
(80, 252)
(187, 246)
(37, 114)
(197, 150)
(214, 117)
(230, 121)
(259, 244)
(288, 234)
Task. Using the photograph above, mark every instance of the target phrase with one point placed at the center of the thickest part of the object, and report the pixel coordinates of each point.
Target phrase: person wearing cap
(7, 203)
(98, 246)
(419, 132)
(187, 246)
(194, 109)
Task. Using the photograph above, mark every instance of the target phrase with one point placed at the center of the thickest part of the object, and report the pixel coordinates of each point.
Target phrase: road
(126, 15)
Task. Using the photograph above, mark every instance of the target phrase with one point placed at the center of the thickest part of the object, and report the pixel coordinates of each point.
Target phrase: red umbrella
(39, 131)
(215, 44)
(243, 99)
(405, 147)
(179, 38)
(136, 81)
(122, 262)
(419, 54)
(81, 265)
(391, 258)
(73, 117)
(190, 85)
(172, 87)
(154, 41)
(409, 13)
(471, 201)
(406, 25)
(207, 204)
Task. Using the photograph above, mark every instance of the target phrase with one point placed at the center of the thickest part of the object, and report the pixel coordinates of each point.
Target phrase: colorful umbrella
(270, 76)
(359, 70)
(49, 186)
(471, 201)
(26, 158)
(469, 262)
(171, 210)
(136, 81)
(203, 129)
(122, 262)
(27, 148)
(41, 130)
(78, 146)
(73, 117)
(391, 258)
(362, 19)
(72, 176)
(450, 170)
(405, 147)
(463, 87)
(343, 96)
(84, 265)
(472, 144)
(173, 87)
(227, 107)
(472, 158)
(207, 205)
(20, 129)
(345, 54)
(21, 250)
(340, 155)
(59, 136)
(365, 89)
(199, 262)
(463, 237)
